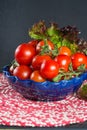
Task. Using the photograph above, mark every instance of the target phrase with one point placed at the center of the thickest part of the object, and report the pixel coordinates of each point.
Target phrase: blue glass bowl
(45, 91)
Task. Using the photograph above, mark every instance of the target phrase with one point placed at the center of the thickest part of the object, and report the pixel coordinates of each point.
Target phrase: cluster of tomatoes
(40, 67)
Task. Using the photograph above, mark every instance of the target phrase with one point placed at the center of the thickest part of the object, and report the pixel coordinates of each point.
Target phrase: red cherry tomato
(78, 59)
(36, 76)
(24, 54)
(49, 69)
(63, 61)
(13, 66)
(33, 43)
(64, 50)
(41, 43)
(22, 72)
(38, 60)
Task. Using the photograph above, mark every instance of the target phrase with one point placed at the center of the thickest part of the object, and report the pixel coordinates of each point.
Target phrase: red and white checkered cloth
(18, 111)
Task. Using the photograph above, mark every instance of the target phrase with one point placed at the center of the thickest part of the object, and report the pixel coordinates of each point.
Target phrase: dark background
(17, 16)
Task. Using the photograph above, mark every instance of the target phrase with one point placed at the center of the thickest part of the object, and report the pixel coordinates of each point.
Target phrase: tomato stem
(69, 74)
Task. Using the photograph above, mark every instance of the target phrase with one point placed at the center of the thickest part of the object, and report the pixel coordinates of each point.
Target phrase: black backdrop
(17, 16)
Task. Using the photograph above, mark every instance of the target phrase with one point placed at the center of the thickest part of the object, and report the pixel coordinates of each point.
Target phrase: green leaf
(56, 40)
(52, 30)
(36, 36)
(58, 77)
(70, 67)
(82, 67)
(84, 88)
(38, 31)
(65, 43)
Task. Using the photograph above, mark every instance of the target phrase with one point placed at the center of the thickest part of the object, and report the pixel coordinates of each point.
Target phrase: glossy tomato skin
(38, 60)
(36, 76)
(49, 69)
(63, 61)
(33, 43)
(41, 43)
(24, 54)
(64, 50)
(22, 72)
(78, 59)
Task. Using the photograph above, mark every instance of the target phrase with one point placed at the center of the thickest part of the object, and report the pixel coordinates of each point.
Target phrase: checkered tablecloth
(15, 110)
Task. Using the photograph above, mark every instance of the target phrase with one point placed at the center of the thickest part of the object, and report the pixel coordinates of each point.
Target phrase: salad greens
(66, 36)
